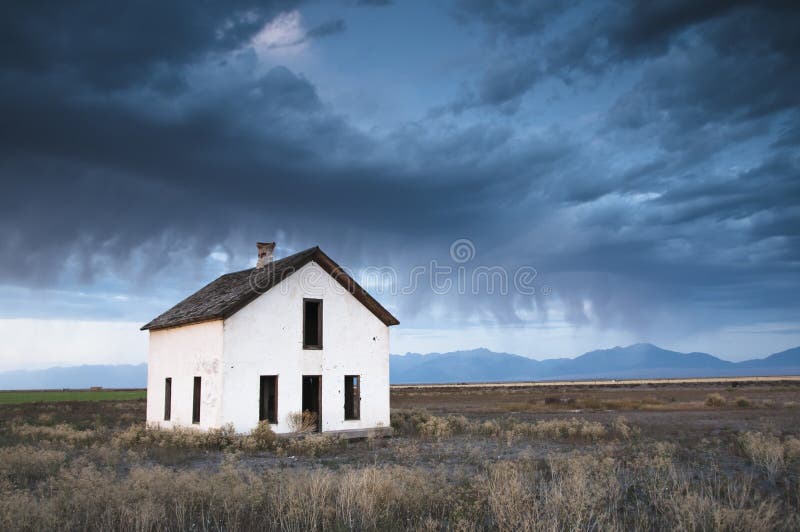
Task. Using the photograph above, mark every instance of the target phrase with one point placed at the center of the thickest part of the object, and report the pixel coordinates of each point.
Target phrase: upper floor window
(312, 324)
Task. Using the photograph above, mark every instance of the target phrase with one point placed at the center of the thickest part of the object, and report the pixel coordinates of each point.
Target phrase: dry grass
(22, 465)
(61, 432)
(649, 396)
(68, 468)
(575, 491)
(425, 425)
(139, 436)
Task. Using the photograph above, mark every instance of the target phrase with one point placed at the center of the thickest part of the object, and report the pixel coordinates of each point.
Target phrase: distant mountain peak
(639, 360)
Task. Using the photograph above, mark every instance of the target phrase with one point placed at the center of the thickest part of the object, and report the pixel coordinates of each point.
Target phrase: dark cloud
(131, 158)
(611, 35)
(510, 17)
(331, 27)
(114, 46)
(374, 3)
(730, 75)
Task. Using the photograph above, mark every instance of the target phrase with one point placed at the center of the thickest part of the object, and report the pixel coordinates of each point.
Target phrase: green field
(50, 396)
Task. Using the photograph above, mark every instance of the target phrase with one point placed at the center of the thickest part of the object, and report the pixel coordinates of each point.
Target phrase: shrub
(308, 445)
(791, 448)
(302, 422)
(510, 498)
(741, 402)
(45, 418)
(435, 428)
(764, 451)
(218, 438)
(623, 429)
(715, 400)
(561, 429)
(261, 438)
(408, 422)
(140, 435)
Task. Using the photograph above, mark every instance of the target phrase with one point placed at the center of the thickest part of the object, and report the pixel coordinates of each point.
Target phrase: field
(620, 456)
(54, 396)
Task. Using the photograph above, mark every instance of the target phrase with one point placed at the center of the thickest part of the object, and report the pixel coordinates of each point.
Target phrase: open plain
(647, 455)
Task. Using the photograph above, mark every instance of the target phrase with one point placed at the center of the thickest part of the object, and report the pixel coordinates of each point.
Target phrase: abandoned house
(269, 343)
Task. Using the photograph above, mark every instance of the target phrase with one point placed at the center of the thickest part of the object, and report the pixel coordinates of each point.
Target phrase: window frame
(353, 392)
(263, 410)
(318, 345)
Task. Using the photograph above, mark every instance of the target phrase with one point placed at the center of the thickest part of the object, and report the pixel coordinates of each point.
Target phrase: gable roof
(228, 294)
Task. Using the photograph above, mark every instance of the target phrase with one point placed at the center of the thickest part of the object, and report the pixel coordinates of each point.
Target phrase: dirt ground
(660, 410)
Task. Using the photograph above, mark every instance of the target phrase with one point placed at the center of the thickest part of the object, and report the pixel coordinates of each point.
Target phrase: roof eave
(150, 327)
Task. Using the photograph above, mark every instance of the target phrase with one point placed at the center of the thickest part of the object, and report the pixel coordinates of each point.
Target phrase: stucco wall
(183, 353)
(265, 338)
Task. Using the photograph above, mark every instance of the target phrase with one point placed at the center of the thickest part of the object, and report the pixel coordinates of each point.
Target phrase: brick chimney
(265, 250)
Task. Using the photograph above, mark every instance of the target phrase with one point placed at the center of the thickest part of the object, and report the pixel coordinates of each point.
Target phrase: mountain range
(76, 377)
(638, 361)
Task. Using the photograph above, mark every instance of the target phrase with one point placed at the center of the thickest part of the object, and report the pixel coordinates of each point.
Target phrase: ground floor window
(352, 396)
(167, 398)
(196, 401)
(268, 399)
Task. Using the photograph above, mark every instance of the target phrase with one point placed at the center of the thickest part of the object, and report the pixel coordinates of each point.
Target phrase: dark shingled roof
(225, 296)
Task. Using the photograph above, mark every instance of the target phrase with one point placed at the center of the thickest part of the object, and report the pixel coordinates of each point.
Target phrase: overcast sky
(638, 161)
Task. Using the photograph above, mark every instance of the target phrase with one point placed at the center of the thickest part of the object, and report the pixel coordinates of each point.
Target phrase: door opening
(312, 400)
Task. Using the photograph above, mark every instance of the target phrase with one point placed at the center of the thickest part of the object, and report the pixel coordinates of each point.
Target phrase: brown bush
(791, 448)
(261, 438)
(764, 451)
(741, 402)
(715, 400)
(140, 435)
(303, 422)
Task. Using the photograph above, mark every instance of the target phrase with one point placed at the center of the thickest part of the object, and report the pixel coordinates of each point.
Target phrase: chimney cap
(265, 253)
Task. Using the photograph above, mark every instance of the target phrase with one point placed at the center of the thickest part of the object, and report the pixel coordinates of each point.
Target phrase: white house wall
(265, 338)
(183, 353)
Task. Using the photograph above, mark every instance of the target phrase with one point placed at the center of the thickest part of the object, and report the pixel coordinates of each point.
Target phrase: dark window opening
(167, 398)
(196, 401)
(312, 324)
(311, 405)
(352, 397)
(268, 399)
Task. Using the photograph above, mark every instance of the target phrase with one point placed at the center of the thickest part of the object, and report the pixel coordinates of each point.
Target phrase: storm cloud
(642, 156)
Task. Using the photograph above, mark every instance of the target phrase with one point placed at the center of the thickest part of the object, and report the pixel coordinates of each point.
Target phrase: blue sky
(641, 157)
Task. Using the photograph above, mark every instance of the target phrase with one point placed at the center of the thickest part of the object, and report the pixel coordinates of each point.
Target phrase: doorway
(312, 395)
